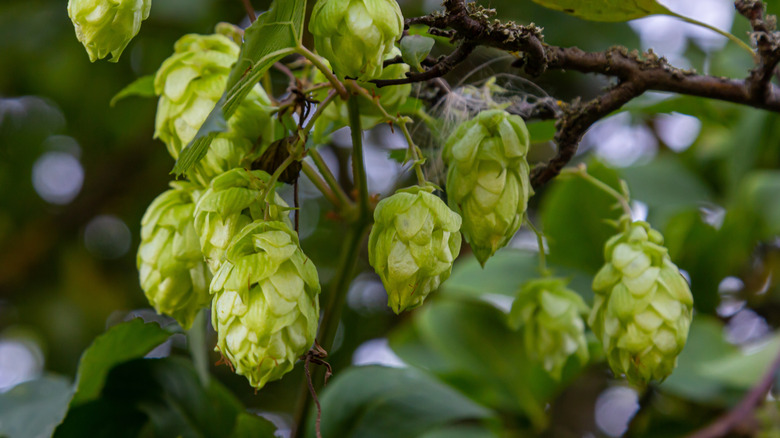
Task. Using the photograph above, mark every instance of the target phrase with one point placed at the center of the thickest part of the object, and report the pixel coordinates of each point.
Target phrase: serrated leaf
(34, 408)
(369, 402)
(273, 36)
(606, 10)
(128, 340)
(141, 87)
(415, 48)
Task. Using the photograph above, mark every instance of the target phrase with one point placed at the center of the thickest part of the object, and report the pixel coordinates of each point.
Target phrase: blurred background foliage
(76, 176)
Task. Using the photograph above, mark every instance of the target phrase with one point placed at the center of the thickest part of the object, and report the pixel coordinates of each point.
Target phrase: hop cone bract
(412, 245)
(488, 179)
(233, 201)
(189, 84)
(643, 306)
(170, 264)
(356, 35)
(265, 307)
(550, 317)
(107, 26)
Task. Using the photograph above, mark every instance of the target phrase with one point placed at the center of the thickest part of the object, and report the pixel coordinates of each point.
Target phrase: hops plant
(170, 264)
(643, 306)
(356, 35)
(189, 84)
(233, 201)
(265, 302)
(488, 179)
(413, 244)
(106, 26)
(550, 317)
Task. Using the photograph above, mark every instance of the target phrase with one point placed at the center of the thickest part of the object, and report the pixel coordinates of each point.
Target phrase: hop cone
(391, 98)
(189, 84)
(550, 316)
(233, 201)
(643, 305)
(107, 26)
(487, 179)
(412, 246)
(170, 264)
(356, 35)
(266, 305)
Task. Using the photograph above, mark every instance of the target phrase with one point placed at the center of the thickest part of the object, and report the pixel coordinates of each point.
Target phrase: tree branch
(637, 73)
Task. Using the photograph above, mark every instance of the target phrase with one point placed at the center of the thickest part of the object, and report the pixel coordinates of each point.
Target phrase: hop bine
(190, 83)
(643, 306)
(488, 179)
(413, 244)
(172, 272)
(233, 201)
(549, 316)
(356, 35)
(107, 26)
(265, 302)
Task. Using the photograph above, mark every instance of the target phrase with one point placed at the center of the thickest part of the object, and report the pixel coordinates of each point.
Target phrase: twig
(744, 409)
(250, 10)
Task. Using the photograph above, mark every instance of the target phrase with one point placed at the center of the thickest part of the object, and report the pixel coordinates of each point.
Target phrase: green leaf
(252, 426)
(461, 431)
(381, 402)
(606, 10)
(541, 132)
(574, 214)
(759, 193)
(141, 87)
(415, 48)
(503, 274)
(34, 408)
(398, 155)
(273, 36)
(120, 343)
(743, 370)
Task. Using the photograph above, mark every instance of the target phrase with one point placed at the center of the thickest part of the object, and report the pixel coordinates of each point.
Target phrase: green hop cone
(356, 35)
(107, 26)
(392, 98)
(488, 179)
(412, 245)
(189, 84)
(550, 317)
(233, 201)
(265, 302)
(643, 306)
(170, 264)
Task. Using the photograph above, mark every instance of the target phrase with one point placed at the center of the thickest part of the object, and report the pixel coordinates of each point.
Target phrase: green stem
(196, 341)
(321, 185)
(320, 108)
(414, 151)
(582, 172)
(317, 62)
(329, 178)
(358, 166)
(728, 35)
(540, 240)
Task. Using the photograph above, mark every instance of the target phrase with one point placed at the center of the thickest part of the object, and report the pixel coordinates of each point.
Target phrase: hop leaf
(107, 26)
(356, 35)
(189, 84)
(170, 264)
(412, 245)
(233, 201)
(265, 302)
(488, 179)
(392, 99)
(643, 306)
(550, 317)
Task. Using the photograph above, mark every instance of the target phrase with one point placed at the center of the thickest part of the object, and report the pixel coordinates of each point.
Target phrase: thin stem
(358, 166)
(329, 178)
(415, 153)
(317, 61)
(320, 108)
(250, 10)
(728, 35)
(540, 241)
(582, 172)
(196, 341)
(321, 185)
